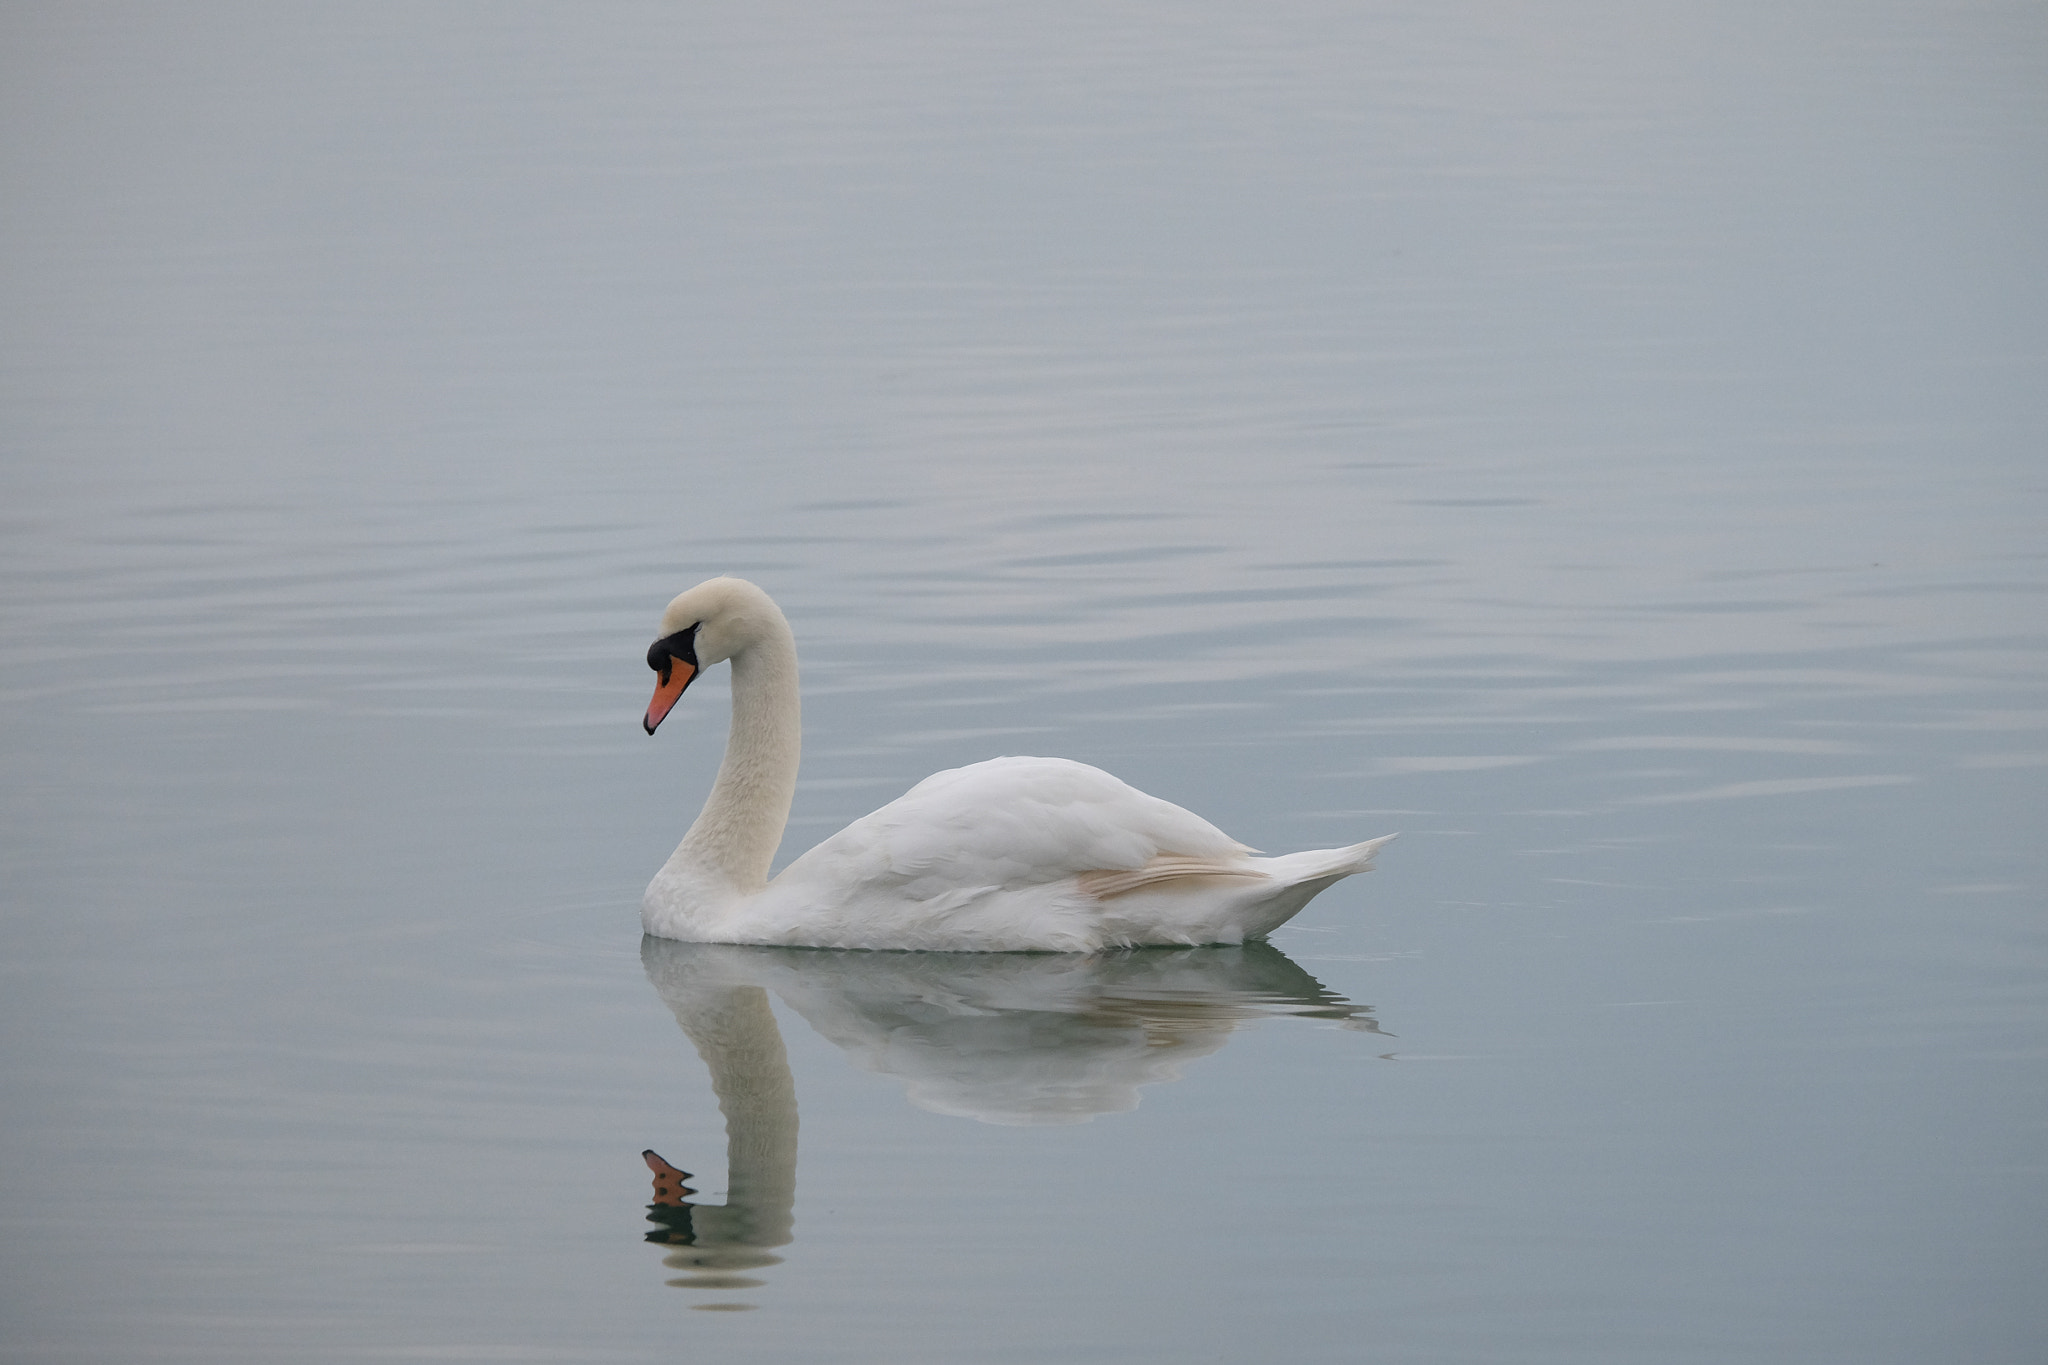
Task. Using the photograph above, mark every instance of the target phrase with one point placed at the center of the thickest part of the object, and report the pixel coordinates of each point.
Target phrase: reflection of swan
(1004, 1038)
(1013, 853)
(734, 1032)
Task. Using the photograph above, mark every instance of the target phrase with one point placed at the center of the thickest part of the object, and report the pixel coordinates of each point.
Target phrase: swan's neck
(731, 847)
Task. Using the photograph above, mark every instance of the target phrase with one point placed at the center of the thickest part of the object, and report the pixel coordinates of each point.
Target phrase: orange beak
(666, 692)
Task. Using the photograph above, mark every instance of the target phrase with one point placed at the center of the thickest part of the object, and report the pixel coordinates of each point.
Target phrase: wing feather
(1167, 867)
(1014, 822)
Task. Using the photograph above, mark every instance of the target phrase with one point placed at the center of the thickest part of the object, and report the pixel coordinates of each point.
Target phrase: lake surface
(1602, 444)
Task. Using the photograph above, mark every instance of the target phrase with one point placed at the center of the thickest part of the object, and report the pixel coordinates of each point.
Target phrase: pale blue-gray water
(1603, 443)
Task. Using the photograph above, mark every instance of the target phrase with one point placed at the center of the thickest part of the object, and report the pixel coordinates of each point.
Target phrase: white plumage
(1012, 854)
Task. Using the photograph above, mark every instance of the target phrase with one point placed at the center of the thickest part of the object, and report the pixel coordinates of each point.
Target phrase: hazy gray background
(1602, 442)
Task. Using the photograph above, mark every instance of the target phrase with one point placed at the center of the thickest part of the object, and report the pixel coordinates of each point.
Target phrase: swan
(1007, 855)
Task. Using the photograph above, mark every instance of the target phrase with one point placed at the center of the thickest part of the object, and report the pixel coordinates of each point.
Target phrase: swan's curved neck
(731, 847)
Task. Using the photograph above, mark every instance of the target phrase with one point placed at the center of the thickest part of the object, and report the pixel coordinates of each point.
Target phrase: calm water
(1603, 444)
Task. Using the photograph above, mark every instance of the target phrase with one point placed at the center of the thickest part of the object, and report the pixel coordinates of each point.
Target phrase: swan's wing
(1007, 824)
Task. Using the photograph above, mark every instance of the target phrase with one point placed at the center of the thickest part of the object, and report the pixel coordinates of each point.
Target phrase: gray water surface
(1601, 443)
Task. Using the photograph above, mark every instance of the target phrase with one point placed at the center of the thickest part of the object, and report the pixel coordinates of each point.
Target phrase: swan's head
(706, 625)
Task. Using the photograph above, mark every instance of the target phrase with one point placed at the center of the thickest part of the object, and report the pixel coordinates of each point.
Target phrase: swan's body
(1014, 854)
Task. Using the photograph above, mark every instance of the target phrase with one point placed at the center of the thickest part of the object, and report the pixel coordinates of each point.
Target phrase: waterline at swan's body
(1013, 854)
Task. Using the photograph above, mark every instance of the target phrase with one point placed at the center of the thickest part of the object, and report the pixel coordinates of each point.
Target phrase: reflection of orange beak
(668, 1181)
(665, 693)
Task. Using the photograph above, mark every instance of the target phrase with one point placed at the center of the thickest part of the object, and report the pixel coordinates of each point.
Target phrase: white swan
(1013, 854)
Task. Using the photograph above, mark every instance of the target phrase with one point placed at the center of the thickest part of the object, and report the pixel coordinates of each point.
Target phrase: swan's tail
(1358, 857)
(1330, 863)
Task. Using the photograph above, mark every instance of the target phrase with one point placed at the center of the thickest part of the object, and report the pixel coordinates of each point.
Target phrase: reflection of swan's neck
(732, 844)
(734, 1032)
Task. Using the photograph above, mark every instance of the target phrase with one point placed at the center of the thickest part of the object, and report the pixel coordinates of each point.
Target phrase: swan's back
(1022, 821)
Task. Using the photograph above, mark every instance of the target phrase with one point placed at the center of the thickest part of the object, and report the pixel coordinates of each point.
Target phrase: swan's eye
(665, 651)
